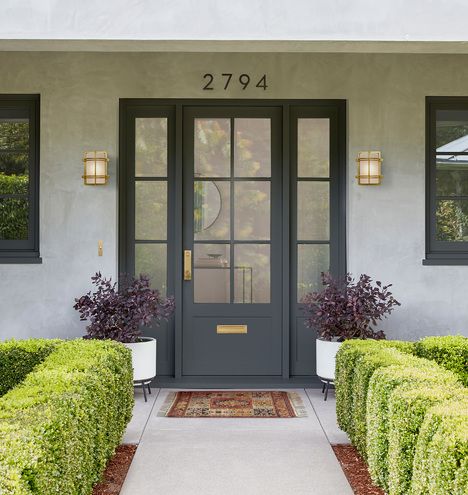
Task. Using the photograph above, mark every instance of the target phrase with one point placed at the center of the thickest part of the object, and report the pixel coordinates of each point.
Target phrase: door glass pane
(312, 259)
(14, 134)
(212, 153)
(452, 220)
(211, 273)
(151, 259)
(252, 273)
(313, 211)
(150, 210)
(14, 173)
(14, 215)
(452, 130)
(211, 209)
(252, 152)
(14, 156)
(452, 176)
(313, 147)
(151, 147)
(252, 210)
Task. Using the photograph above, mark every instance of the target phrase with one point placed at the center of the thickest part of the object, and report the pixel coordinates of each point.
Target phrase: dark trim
(26, 251)
(242, 382)
(336, 111)
(439, 252)
(17, 260)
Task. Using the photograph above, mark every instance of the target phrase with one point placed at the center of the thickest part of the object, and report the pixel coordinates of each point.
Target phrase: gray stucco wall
(79, 111)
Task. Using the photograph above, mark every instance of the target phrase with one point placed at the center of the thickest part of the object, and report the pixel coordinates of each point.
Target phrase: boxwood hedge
(347, 356)
(407, 415)
(19, 357)
(381, 387)
(451, 352)
(62, 423)
(441, 458)
(407, 410)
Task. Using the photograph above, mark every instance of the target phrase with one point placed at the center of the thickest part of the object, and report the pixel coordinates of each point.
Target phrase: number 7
(228, 80)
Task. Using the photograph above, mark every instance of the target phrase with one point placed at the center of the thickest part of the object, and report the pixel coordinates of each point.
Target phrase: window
(19, 179)
(447, 181)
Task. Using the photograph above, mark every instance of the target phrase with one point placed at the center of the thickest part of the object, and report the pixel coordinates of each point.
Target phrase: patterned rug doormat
(233, 404)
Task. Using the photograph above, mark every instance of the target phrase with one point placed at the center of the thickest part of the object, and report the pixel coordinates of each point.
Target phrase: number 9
(244, 79)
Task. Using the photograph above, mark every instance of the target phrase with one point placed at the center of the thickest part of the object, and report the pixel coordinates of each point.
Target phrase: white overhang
(387, 26)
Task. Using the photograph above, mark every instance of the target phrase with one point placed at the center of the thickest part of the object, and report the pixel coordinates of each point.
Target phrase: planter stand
(326, 387)
(143, 384)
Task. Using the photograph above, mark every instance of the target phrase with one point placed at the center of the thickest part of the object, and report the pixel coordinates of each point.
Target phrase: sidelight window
(19, 179)
(447, 181)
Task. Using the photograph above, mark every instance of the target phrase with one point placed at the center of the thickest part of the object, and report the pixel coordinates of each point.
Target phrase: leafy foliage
(117, 313)
(450, 351)
(408, 416)
(348, 309)
(18, 358)
(452, 221)
(381, 387)
(60, 426)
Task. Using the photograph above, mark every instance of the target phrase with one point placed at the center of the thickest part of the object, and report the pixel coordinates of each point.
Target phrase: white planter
(325, 358)
(143, 359)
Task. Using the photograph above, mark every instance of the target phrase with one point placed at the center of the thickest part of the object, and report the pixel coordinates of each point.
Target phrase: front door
(235, 207)
(232, 241)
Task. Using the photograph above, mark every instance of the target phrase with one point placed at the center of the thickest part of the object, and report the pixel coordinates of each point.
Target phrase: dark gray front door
(232, 198)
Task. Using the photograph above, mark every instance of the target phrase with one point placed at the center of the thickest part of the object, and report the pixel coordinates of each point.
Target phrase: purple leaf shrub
(348, 309)
(118, 312)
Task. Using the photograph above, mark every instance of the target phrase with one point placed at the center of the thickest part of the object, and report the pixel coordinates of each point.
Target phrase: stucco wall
(79, 111)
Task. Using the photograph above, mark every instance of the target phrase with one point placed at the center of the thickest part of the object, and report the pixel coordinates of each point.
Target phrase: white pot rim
(142, 340)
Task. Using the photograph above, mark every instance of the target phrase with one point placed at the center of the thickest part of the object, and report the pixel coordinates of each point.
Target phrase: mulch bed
(356, 470)
(116, 470)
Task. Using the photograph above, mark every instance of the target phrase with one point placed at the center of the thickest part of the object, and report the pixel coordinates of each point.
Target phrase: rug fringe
(298, 405)
(168, 403)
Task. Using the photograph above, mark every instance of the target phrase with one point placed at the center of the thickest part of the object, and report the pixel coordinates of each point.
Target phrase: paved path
(235, 456)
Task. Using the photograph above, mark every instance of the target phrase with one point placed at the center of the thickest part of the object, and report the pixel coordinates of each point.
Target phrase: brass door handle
(187, 264)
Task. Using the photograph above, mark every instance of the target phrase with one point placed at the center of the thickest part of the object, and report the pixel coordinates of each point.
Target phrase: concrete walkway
(235, 456)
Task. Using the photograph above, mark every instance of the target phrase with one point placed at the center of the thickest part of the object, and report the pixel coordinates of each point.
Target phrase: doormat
(233, 404)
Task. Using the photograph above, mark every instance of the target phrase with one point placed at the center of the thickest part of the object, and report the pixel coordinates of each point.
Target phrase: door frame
(127, 108)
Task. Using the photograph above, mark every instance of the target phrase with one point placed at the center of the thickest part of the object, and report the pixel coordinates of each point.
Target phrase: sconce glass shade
(95, 168)
(369, 168)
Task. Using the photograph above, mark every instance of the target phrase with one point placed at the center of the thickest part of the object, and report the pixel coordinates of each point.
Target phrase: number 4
(262, 83)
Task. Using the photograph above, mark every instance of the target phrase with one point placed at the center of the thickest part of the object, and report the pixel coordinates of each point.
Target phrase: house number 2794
(212, 81)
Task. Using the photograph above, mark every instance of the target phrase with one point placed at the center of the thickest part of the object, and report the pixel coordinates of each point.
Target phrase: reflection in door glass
(212, 147)
(252, 210)
(312, 259)
(252, 152)
(150, 259)
(252, 273)
(211, 273)
(151, 147)
(151, 210)
(313, 210)
(313, 147)
(211, 207)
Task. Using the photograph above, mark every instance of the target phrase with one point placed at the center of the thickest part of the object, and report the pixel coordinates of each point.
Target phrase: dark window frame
(26, 251)
(439, 252)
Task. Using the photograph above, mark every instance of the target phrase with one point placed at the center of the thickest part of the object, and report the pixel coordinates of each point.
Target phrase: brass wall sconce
(369, 168)
(95, 168)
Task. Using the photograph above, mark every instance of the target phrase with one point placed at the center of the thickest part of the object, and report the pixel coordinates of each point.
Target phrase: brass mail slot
(231, 328)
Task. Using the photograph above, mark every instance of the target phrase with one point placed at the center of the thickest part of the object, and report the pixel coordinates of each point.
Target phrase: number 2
(210, 78)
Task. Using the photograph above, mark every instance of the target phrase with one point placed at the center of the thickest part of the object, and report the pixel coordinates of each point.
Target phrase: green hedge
(19, 357)
(451, 352)
(367, 359)
(346, 359)
(441, 458)
(383, 383)
(407, 410)
(59, 426)
(408, 416)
